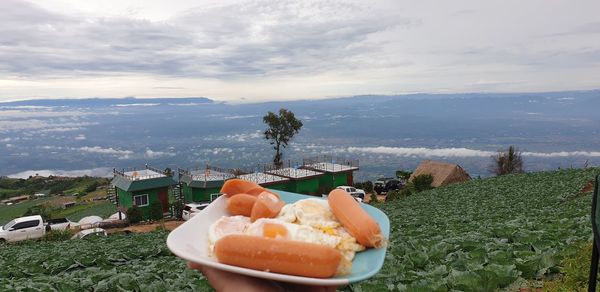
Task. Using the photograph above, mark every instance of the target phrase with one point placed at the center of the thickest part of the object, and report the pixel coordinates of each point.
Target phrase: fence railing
(123, 173)
(328, 159)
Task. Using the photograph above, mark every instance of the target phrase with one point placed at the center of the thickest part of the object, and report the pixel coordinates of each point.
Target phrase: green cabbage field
(477, 236)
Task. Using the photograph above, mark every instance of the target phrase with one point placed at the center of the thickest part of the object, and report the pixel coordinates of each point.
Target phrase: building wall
(286, 186)
(326, 181)
(187, 193)
(309, 186)
(340, 179)
(126, 198)
(203, 195)
(191, 194)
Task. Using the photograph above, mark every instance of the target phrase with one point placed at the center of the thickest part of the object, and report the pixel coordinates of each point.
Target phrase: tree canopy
(281, 129)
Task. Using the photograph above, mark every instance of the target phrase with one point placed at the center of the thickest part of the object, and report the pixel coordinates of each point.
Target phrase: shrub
(373, 198)
(41, 210)
(156, 211)
(58, 235)
(508, 161)
(134, 214)
(178, 209)
(403, 174)
(422, 182)
(393, 195)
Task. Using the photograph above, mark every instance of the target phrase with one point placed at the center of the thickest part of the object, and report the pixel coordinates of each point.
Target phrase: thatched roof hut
(443, 173)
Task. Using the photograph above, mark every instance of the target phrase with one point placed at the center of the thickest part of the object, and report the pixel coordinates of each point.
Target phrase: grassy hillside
(8, 213)
(477, 236)
(10, 187)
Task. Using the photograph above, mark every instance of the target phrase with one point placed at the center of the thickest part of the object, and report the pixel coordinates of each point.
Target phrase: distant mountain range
(386, 133)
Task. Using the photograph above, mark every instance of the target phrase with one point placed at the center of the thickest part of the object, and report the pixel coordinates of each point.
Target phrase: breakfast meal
(311, 237)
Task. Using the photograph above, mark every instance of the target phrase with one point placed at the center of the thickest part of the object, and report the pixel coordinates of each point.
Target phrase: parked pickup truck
(23, 228)
(357, 193)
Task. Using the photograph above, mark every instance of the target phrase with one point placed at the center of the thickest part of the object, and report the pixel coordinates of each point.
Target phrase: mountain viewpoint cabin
(443, 173)
(143, 187)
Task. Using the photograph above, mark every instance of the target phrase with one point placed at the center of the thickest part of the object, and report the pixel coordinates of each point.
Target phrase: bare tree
(508, 161)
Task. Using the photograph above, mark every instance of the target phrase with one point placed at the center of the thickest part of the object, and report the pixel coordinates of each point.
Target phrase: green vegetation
(508, 161)
(156, 211)
(134, 214)
(403, 174)
(576, 270)
(135, 262)
(281, 129)
(475, 236)
(10, 187)
(102, 209)
(58, 235)
(419, 184)
(485, 234)
(8, 213)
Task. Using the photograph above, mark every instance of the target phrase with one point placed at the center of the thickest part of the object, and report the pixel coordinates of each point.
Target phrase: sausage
(356, 220)
(278, 255)
(267, 205)
(260, 190)
(241, 204)
(237, 186)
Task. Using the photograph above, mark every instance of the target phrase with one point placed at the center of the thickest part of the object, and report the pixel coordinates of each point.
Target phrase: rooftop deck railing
(337, 163)
(122, 173)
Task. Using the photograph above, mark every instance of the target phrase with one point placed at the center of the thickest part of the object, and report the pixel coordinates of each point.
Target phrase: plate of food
(285, 236)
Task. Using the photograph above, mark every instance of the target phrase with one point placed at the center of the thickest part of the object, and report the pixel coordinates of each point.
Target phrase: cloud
(243, 137)
(227, 41)
(135, 104)
(150, 154)
(423, 152)
(459, 152)
(562, 154)
(100, 150)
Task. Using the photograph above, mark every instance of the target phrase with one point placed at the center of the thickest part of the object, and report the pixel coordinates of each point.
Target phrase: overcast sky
(274, 50)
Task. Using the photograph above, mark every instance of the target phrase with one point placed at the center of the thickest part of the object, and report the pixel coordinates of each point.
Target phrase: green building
(302, 181)
(199, 185)
(336, 172)
(142, 187)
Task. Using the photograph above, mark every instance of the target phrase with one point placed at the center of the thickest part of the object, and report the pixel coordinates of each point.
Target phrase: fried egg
(310, 212)
(225, 226)
(275, 228)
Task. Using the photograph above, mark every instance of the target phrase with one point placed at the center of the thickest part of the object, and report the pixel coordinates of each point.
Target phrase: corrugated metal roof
(145, 184)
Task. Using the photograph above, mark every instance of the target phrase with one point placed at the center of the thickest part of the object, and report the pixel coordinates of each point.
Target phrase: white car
(191, 209)
(357, 193)
(23, 228)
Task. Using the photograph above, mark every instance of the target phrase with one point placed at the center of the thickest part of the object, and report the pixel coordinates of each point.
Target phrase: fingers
(224, 281)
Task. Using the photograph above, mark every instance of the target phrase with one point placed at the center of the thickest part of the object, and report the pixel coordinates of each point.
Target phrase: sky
(245, 51)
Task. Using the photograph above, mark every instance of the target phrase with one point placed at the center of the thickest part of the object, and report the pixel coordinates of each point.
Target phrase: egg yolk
(272, 230)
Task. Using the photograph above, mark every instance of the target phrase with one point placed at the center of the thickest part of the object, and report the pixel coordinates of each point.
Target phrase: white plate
(190, 242)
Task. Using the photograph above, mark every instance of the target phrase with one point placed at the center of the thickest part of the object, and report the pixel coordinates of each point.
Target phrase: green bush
(367, 186)
(373, 198)
(134, 214)
(393, 195)
(422, 182)
(58, 235)
(38, 210)
(156, 211)
(403, 174)
(178, 209)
